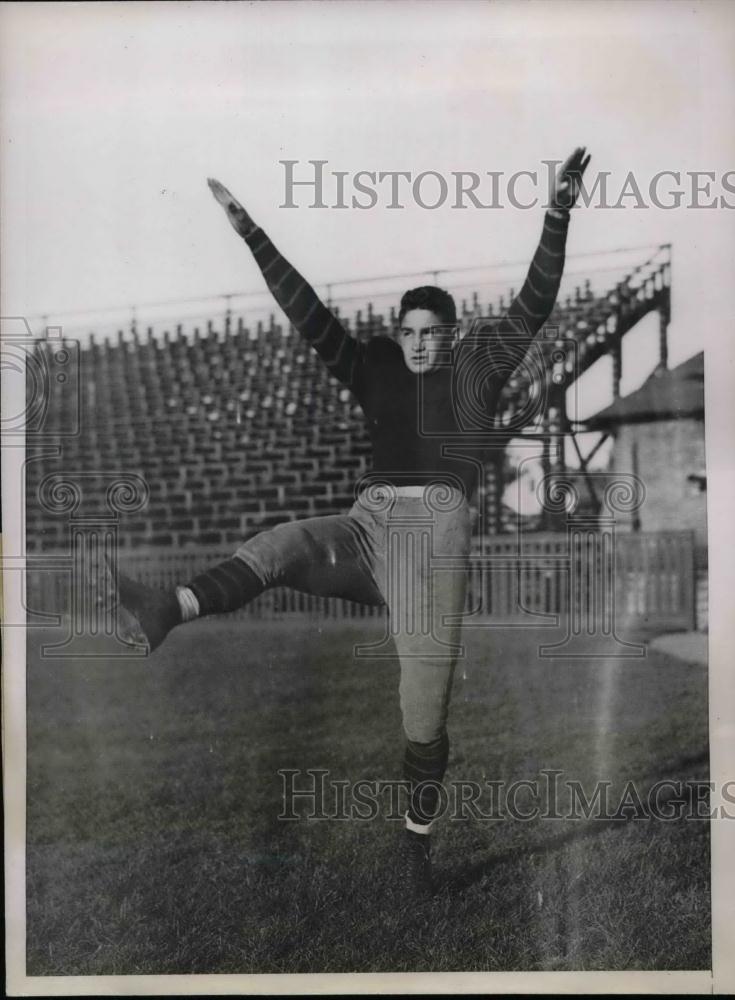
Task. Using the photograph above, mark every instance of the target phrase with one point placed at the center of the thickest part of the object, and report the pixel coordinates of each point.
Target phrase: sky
(113, 115)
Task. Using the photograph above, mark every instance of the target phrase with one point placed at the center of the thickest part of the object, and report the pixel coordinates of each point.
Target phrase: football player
(377, 552)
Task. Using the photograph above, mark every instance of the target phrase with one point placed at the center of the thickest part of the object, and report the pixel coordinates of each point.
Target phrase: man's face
(424, 340)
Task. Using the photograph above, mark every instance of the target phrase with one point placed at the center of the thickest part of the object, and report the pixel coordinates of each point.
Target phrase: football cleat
(145, 616)
(413, 878)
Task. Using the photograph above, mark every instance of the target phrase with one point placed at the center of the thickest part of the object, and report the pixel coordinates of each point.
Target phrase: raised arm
(340, 352)
(530, 309)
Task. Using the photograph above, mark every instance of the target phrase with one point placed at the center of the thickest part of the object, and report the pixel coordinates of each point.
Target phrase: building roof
(667, 394)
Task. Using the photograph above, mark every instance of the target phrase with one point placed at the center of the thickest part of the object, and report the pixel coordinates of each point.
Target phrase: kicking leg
(325, 556)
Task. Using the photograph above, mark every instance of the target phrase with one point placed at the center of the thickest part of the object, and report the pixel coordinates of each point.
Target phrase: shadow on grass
(584, 830)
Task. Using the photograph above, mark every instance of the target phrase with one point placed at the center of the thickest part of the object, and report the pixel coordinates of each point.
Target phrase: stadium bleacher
(234, 428)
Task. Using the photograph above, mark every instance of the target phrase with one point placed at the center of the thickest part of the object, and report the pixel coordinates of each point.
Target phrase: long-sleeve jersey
(432, 426)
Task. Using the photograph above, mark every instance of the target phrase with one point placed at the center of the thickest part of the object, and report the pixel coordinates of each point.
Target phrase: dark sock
(227, 587)
(425, 762)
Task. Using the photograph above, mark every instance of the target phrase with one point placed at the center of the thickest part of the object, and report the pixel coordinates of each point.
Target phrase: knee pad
(269, 552)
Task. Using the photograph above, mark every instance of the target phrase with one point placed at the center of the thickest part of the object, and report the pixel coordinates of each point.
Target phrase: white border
(717, 30)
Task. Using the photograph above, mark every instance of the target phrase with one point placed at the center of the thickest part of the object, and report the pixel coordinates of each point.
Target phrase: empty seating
(235, 428)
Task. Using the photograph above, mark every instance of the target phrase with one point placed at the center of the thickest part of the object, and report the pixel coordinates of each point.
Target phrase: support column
(616, 353)
(593, 588)
(663, 335)
(411, 572)
(94, 502)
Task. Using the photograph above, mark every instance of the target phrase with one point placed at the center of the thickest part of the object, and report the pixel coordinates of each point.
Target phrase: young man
(406, 541)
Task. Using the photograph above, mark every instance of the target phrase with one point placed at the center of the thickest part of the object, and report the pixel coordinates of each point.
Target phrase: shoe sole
(127, 625)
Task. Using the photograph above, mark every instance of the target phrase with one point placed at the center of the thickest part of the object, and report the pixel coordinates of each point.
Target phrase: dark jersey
(434, 425)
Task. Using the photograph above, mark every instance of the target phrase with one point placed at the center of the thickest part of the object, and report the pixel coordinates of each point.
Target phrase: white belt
(416, 492)
(408, 491)
(374, 497)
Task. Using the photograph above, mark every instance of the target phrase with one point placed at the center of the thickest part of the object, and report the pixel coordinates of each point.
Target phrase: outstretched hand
(568, 181)
(239, 218)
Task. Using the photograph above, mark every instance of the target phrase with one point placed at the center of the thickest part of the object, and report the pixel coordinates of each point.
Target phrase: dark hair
(429, 297)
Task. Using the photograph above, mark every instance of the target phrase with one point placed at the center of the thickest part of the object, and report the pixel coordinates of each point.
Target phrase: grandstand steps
(235, 427)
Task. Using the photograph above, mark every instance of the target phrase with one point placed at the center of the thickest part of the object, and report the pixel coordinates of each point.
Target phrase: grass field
(153, 795)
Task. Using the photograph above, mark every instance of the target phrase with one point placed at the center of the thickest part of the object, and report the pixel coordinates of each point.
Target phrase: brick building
(658, 435)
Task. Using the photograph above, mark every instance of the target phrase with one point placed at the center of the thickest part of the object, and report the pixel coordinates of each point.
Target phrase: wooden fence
(645, 579)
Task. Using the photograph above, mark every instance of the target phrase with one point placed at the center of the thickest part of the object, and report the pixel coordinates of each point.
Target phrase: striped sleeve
(340, 352)
(530, 309)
